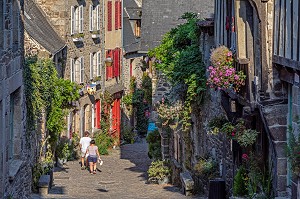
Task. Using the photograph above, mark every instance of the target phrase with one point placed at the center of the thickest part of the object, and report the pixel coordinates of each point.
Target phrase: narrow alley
(122, 176)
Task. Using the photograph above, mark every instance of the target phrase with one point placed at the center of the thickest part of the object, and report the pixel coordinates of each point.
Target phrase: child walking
(93, 153)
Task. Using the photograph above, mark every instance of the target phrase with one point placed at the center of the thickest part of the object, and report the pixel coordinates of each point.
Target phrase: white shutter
(77, 70)
(98, 16)
(91, 18)
(81, 70)
(98, 63)
(72, 74)
(95, 64)
(72, 19)
(81, 19)
(91, 66)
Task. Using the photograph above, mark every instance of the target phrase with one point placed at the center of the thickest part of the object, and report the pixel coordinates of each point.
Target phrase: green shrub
(240, 182)
(159, 170)
(154, 145)
(128, 135)
(63, 149)
(103, 141)
(206, 168)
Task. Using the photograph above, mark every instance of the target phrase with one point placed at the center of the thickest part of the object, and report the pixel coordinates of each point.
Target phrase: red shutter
(120, 62)
(109, 16)
(111, 54)
(117, 62)
(117, 7)
(106, 67)
(120, 14)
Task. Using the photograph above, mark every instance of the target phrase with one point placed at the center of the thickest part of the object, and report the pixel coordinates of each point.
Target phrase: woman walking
(93, 153)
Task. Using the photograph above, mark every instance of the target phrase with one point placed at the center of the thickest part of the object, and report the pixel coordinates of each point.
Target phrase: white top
(85, 142)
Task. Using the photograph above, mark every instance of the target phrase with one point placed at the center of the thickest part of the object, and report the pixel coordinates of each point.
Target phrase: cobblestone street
(122, 176)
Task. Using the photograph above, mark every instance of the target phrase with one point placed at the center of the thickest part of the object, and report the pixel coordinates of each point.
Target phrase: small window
(137, 28)
(109, 15)
(76, 19)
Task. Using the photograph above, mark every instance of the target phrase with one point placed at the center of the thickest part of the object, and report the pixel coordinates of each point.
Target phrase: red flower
(245, 156)
(233, 134)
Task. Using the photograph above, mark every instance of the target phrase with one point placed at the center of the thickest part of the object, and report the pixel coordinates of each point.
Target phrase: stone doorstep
(187, 183)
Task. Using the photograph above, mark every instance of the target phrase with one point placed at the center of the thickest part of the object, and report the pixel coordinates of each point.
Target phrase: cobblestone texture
(122, 176)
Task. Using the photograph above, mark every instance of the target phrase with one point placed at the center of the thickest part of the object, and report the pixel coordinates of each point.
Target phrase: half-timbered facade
(246, 27)
(286, 60)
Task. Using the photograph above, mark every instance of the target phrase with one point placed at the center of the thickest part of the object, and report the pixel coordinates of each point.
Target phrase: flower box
(95, 36)
(77, 39)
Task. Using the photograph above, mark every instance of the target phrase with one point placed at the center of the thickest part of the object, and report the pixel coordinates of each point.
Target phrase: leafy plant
(240, 182)
(293, 151)
(179, 58)
(159, 170)
(128, 99)
(154, 145)
(206, 167)
(217, 123)
(128, 134)
(103, 141)
(62, 149)
(78, 35)
(247, 137)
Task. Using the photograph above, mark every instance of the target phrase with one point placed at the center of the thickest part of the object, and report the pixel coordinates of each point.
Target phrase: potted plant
(62, 151)
(95, 34)
(159, 172)
(78, 37)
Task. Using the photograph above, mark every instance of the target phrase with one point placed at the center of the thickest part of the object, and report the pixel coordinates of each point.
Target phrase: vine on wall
(179, 58)
(46, 93)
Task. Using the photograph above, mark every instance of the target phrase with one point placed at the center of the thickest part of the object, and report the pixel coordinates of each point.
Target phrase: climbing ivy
(46, 93)
(179, 58)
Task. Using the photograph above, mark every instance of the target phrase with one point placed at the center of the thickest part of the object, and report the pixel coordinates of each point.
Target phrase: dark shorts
(92, 159)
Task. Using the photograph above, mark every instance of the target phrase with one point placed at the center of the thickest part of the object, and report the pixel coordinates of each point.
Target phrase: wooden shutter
(117, 15)
(81, 69)
(130, 67)
(116, 62)
(91, 66)
(120, 14)
(72, 19)
(91, 18)
(99, 63)
(81, 19)
(109, 16)
(98, 17)
(72, 69)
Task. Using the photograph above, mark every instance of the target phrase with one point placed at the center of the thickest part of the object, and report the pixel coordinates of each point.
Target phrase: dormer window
(137, 28)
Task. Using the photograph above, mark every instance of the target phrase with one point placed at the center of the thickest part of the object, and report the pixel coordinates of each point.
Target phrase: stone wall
(16, 153)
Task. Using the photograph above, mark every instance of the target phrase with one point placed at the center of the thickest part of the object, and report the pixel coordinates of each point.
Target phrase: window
(76, 19)
(94, 15)
(109, 16)
(77, 70)
(137, 28)
(93, 65)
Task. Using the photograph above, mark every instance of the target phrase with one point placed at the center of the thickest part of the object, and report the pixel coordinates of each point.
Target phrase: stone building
(80, 25)
(16, 154)
(269, 98)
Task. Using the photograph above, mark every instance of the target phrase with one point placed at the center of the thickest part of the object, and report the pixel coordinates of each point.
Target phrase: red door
(116, 118)
(98, 114)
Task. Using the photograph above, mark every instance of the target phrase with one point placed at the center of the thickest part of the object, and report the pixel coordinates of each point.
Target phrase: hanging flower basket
(222, 74)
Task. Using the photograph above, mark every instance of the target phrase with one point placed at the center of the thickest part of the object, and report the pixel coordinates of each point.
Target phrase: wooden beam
(286, 62)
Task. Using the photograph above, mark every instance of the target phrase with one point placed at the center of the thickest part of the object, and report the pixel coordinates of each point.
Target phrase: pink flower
(245, 156)
(232, 134)
(210, 68)
(229, 54)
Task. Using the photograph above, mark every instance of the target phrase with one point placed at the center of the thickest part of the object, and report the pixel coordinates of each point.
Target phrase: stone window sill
(14, 167)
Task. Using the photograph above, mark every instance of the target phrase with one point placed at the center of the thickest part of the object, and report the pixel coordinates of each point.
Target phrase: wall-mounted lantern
(108, 61)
